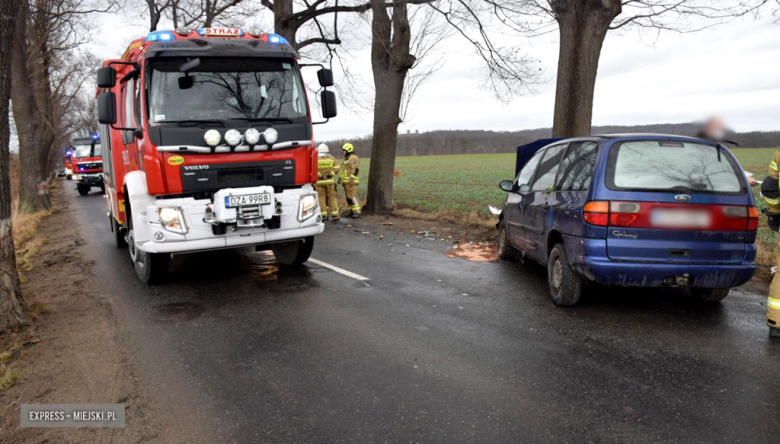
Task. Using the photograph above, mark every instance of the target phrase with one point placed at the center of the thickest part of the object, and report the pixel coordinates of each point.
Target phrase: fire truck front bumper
(185, 225)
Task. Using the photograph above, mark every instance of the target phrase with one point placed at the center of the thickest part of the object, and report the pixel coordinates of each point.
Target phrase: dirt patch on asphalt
(475, 252)
(72, 351)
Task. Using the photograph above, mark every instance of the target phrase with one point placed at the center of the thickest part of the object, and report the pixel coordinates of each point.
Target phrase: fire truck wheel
(69, 177)
(119, 237)
(83, 189)
(293, 253)
(151, 268)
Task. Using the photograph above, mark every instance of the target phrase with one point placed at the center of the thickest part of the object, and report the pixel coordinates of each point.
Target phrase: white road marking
(338, 270)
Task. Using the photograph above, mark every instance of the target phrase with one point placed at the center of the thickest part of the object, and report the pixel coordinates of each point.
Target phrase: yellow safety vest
(325, 168)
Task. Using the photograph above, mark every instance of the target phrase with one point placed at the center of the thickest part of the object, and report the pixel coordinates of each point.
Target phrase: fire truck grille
(89, 166)
(214, 177)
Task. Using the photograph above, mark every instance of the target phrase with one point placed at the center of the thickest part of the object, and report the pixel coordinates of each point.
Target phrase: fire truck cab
(86, 164)
(208, 144)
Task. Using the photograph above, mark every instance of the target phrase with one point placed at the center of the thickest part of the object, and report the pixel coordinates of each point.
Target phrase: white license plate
(249, 199)
(680, 219)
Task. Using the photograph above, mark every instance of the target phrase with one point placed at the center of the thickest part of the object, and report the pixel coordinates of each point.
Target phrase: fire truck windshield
(226, 89)
(87, 151)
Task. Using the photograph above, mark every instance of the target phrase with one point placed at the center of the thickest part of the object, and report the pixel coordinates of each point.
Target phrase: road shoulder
(73, 352)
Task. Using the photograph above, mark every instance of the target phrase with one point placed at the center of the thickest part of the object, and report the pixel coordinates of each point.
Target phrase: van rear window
(651, 165)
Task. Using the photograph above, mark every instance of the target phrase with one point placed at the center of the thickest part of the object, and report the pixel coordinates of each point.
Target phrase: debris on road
(474, 252)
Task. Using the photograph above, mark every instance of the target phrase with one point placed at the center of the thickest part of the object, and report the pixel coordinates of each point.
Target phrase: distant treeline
(481, 142)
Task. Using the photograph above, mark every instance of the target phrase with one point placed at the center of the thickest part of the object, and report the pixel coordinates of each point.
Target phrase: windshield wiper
(263, 119)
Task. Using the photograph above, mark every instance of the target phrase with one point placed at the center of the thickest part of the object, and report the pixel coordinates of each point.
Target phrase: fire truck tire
(151, 268)
(83, 189)
(119, 237)
(293, 253)
(69, 177)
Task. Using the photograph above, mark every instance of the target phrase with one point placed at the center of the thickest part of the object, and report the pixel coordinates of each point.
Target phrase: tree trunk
(33, 129)
(390, 62)
(12, 306)
(283, 9)
(583, 25)
(387, 105)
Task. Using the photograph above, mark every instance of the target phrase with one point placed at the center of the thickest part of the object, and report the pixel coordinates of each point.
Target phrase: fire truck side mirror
(328, 100)
(106, 77)
(325, 76)
(107, 108)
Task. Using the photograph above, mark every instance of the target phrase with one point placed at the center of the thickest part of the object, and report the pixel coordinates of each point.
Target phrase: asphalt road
(432, 350)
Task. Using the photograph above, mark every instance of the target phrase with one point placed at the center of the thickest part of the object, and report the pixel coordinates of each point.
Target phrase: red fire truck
(86, 164)
(208, 144)
(67, 161)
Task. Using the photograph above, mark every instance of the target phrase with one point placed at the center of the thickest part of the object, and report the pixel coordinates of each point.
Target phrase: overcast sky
(732, 70)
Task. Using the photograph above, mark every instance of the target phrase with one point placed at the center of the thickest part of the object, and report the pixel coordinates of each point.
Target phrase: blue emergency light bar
(160, 36)
(68, 153)
(277, 39)
(95, 136)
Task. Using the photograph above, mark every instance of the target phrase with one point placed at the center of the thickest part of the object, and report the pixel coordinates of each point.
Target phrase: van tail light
(752, 219)
(596, 213)
(699, 217)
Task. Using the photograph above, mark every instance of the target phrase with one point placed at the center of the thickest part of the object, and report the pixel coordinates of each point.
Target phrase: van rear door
(676, 201)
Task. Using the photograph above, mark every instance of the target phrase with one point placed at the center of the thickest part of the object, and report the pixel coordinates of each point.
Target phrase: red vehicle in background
(208, 144)
(68, 162)
(87, 164)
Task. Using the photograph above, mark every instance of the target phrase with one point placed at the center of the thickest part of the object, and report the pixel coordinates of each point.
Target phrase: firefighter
(348, 177)
(326, 185)
(771, 191)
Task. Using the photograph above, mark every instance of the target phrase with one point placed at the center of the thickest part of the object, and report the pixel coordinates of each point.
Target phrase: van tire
(710, 294)
(83, 189)
(293, 253)
(505, 251)
(566, 287)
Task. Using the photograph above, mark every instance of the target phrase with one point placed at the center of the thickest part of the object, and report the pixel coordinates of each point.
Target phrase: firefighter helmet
(348, 148)
(322, 150)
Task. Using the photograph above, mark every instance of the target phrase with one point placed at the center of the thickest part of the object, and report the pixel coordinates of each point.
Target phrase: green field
(462, 183)
(468, 183)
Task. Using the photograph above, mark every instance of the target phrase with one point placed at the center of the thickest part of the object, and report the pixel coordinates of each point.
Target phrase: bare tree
(12, 306)
(48, 34)
(583, 25)
(507, 73)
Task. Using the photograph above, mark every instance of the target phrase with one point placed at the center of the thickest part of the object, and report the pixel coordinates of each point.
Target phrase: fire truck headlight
(252, 136)
(233, 137)
(212, 137)
(172, 219)
(307, 207)
(270, 135)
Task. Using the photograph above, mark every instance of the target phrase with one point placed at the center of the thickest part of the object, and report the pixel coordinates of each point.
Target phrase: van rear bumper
(588, 258)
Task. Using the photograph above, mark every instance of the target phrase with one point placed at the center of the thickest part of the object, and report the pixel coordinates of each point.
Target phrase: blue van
(633, 210)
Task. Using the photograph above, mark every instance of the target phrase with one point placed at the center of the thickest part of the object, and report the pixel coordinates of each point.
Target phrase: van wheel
(710, 294)
(293, 253)
(505, 251)
(151, 268)
(565, 286)
(83, 189)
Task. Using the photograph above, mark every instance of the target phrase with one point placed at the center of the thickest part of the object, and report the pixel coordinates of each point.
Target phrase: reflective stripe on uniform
(773, 165)
(773, 303)
(771, 201)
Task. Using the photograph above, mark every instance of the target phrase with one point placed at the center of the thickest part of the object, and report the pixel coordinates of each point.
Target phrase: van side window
(548, 168)
(577, 166)
(524, 177)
